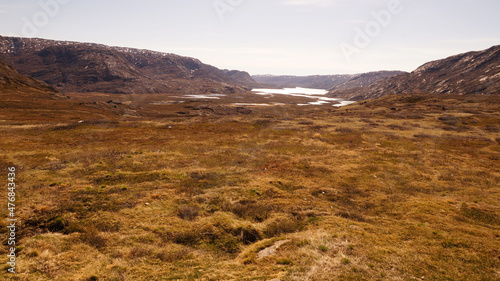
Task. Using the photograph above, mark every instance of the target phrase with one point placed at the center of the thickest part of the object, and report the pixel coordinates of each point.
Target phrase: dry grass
(369, 194)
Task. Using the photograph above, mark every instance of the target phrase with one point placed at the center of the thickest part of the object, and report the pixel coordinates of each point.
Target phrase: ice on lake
(317, 94)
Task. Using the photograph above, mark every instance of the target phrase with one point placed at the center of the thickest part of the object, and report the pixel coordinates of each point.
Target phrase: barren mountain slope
(468, 73)
(86, 67)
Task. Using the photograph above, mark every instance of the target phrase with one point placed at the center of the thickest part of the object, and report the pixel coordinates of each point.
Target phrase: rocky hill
(366, 79)
(10, 79)
(468, 73)
(87, 67)
(244, 78)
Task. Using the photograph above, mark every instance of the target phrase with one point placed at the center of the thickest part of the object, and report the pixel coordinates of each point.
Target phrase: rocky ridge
(365, 79)
(89, 67)
(468, 73)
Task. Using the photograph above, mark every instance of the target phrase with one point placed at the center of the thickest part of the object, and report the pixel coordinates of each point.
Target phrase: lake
(318, 96)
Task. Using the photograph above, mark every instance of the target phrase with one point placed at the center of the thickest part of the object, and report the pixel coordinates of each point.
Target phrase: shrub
(251, 210)
(188, 237)
(93, 238)
(187, 212)
(479, 215)
(284, 261)
(288, 186)
(345, 130)
(106, 225)
(345, 261)
(172, 256)
(220, 237)
(139, 252)
(449, 120)
(58, 224)
(263, 123)
(352, 215)
(323, 248)
(281, 225)
(248, 235)
(228, 244)
(198, 182)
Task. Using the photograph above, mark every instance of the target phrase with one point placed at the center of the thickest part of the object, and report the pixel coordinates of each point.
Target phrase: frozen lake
(318, 95)
(310, 97)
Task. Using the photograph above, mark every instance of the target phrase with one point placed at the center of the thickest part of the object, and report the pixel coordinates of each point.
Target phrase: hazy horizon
(279, 37)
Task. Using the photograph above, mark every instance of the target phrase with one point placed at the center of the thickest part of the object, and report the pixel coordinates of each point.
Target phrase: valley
(395, 188)
(257, 97)
(215, 176)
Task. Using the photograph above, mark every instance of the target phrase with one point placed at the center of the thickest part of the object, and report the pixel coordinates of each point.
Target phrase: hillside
(10, 79)
(244, 78)
(87, 67)
(463, 74)
(366, 79)
(35, 102)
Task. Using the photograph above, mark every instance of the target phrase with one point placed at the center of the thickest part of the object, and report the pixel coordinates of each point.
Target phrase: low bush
(250, 209)
(281, 225)
(187, 212)
(93, 238)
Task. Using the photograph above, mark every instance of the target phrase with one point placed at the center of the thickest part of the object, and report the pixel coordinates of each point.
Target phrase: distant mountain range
(327, 82)
(87, 67)
(463, 74)
(313, 81)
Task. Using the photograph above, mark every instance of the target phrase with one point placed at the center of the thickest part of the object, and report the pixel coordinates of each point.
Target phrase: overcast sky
(298, 37)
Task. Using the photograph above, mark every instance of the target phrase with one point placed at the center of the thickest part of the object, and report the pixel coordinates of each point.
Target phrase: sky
(281, 37)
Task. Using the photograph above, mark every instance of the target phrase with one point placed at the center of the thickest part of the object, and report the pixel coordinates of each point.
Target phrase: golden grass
(370, 194)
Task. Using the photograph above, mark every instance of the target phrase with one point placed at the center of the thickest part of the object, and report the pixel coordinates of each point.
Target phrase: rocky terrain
(463, 74)
(244, 78)
(366, 79)
(10, 79)
(87, 67)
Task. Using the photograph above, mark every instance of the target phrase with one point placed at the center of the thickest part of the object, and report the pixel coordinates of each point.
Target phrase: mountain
(25, 98)
(10, 79)
(88, 67)
(469, 73)
(366, 79)
(313, 81)
(243, 78)
(329, 82)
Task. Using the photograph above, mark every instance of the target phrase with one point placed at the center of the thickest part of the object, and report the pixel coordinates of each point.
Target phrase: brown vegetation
(391, 189)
